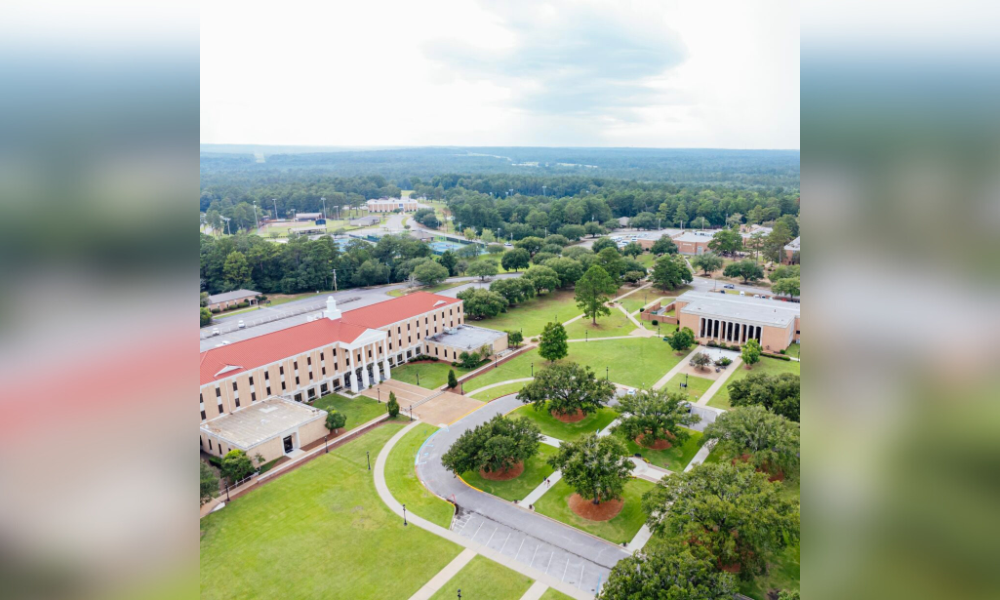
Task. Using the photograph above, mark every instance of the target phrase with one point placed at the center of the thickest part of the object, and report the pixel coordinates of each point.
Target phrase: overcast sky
(718, 74)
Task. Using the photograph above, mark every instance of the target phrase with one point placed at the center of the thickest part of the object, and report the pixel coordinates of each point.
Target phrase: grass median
(406, 487)
(622, 528)
(484, 579)
(536, 469)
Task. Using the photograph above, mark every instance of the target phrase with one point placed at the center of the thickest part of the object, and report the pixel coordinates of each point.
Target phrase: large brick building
(735, 319)
(351, 350)
(392, 204)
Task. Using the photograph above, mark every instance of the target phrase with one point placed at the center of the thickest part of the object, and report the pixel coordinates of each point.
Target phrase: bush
(781, 351)
(215, 460)
(641, 309)
(424, 357)
(725, 361)
(777, 356)
(335, 420)
(392, 407)
(655, 322)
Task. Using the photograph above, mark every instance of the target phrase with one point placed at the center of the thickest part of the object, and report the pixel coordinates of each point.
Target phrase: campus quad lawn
(771, 366)
(432, 375)
(554, 594)
(318, 531)
(484, 579)
(358, 411)
(535, 472)
(500, 390)
(641, 298)
(634, 362)
(674, 458)
(567, 432)
(401, 477)
(696, 385)
(612, 325)
(793, 350)
(622, 528)
(531, 317)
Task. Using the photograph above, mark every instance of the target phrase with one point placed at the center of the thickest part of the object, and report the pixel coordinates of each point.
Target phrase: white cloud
(666, 74)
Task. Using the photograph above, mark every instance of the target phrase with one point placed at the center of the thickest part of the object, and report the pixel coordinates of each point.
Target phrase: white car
(241, 324)
(743, 293)
(508, 245)
(215, 331)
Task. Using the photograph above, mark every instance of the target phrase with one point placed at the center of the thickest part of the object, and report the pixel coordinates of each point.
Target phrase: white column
(364, 369)
(385, 360)
(350, 369)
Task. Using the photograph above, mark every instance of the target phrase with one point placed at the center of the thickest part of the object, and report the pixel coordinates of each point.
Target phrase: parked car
(743, 293)
(729, 286)
(508, 245)
(756, 295)
(215, 331)
(241, 324)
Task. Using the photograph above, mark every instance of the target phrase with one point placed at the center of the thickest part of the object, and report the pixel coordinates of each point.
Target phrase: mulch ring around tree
(605, 511)
(571, 417)
(505, 474)
(657, 445)
(772, 476)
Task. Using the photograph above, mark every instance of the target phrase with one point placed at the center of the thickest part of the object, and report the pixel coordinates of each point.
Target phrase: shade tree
(593, 291)
(482, 269)
(707, 262)
(768, 441)
(671, 272)
(778, 393)
(553, 344)
(516, 259)
(543, 278)
(482, 304)
(655, 415)
(747, 269)
(567, 389)
(668, 572)
(597, 468)
(495, 446)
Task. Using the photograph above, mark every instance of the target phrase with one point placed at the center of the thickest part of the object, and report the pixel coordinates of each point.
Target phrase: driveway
(559, 550)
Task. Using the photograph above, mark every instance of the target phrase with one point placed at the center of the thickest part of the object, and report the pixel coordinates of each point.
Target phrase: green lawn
(612, 325)
(432, 375)
(793, 350)
(283, 229)
(500, 390)
(567, 432)
(358, 411)
(532, 316)
(554, 594)
(771, 366)
(674, 458)
(432, 289)
(401, 477)
(318, 531)
(636, 362)
(696, 385)
(640, 299)
(535, 472)
(483, 579)
(622, 528)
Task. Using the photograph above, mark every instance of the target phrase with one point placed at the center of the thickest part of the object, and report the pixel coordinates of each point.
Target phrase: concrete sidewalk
(721, 381)
(542, 488)
(445, 574)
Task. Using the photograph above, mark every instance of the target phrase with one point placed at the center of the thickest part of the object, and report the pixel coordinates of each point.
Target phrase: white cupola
(332, 312)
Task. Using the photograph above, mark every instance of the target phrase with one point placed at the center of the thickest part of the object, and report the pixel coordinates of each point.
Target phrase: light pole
(324, 207)
(326, 441)
(369, 455)
(607, 376)
(256, 220)
(404, 516)
(532, 370)
(275, 201)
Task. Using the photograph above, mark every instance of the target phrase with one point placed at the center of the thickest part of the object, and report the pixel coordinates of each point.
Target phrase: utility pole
(275, 201)
(256, 220)
(335, 280)
(324, 207)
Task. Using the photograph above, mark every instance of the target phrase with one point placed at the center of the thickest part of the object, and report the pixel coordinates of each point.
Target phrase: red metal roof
(266, 349)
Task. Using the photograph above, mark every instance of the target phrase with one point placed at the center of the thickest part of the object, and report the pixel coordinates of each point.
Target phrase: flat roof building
(392, 204)
(228, 299)
(307, 216)
(465, 338)
(693, 242)
(272, 428)
(791, 249)
(365, 221)
(735, 319)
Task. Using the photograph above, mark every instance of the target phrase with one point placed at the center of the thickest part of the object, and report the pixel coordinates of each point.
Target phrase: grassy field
(568, 432)
(318, 531)
(401, 477)
(634, 362)
(554, 594)
(640, 299)
(500, 390)
(358, 411)
(771, 366)
(696, 385)
(432, 375)
(282, 228)
(793, 350)
(672, 459)
(532, 316)
(622, 528)
(484, 579)
(612, 325)
(535, 472)
(432, 289)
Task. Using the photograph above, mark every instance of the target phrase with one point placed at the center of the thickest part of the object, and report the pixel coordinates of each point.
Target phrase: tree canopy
(768, 441)
(671, 573)
(778, 393)
(552, 344)
(655, 415)
(482, 304)
(482, 269)
(707, 262)
(567, 388)
(494, 446)
(671, 272)
(747, 269)
(593, 291)
(597, 468)
(730, 511)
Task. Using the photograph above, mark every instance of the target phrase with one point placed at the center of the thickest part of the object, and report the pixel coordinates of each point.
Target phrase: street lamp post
(532, 370)
(404, 516)
(369, 455)
(607, 376)
(326, 441)
(411, 412)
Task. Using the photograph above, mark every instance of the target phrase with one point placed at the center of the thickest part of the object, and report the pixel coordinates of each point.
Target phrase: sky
(706, 74)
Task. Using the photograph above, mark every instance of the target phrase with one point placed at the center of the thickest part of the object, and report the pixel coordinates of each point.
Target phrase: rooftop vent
(438, 303)
(228, 369)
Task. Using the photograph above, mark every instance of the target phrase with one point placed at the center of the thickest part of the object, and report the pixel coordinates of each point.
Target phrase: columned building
(734, 319)
(352, 351)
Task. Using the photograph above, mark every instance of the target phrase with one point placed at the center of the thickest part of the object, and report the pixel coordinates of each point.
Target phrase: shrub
(392, 407)
(781, 351)
(655, 322)
(452, 380)
(777, 356)
(335, 420)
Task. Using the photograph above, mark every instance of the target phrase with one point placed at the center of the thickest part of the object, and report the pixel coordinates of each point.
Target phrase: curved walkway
(565, 553)
(539, 568)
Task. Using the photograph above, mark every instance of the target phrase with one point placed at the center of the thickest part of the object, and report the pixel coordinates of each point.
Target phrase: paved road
(559, 550)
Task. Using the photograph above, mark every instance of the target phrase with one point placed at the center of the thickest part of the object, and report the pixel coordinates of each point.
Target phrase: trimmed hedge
(778, 356)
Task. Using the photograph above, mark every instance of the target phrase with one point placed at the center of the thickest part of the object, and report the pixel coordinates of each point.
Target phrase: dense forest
(554, 209)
